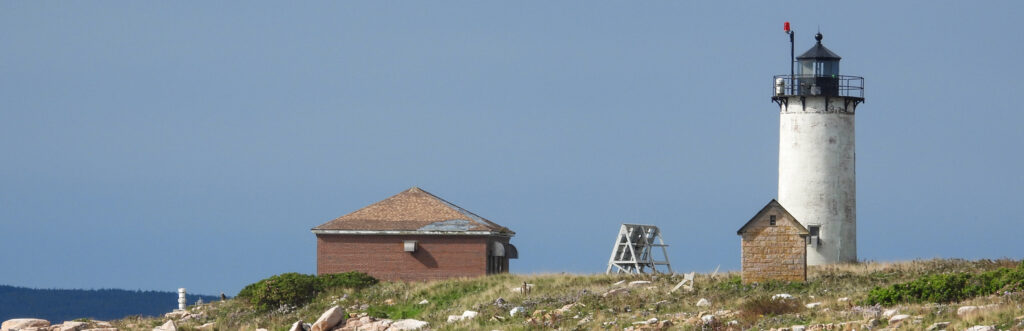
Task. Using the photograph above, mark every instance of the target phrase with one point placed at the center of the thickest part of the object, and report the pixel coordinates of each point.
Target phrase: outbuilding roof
(413, 211)
(774, 205)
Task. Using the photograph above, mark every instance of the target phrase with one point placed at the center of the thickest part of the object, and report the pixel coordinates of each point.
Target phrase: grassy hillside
(841, 290)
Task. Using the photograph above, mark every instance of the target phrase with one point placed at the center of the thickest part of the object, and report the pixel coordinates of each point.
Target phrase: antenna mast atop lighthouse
(817, 156)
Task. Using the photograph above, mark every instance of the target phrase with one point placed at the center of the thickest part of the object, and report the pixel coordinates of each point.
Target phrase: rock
(424, 302)
(707, 319)
(813, 305)
(176, 314)
(938, 326)
(619, 283)
(389, 302)
(499, 301)
(639, 282)
(466, 315)
(798, 328)
(297, 326)
(525, 288)
(329, 319)
(703, 303)
(21, 323)
(517, 311)
(102, 329)
(843, 299)
(898, 318)
(967, 310)
(889, 313)
(71, 326)
(616, 291)
(407, 324)
(168, 326)
(782, 296)
(567, 308)
(981, 328)
(262, 329)
(102, 324)
(874, 322)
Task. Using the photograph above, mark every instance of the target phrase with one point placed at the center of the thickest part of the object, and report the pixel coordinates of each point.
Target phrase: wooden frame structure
(634, 249)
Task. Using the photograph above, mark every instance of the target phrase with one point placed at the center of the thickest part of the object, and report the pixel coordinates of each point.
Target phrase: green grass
(748, 304)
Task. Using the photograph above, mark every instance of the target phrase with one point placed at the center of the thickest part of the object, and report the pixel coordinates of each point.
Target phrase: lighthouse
(817, 154)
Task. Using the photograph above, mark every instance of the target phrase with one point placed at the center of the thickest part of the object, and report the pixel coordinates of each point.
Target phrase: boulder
(209, 326)
(813, 305)
(798, 328)
(297, 326)
(898, 318)
(981, 328)
(176, 314)
(70, 326)
(329, 319)
(407, 324)
(782, 296)
(707, 319)
(517, 311)
(703, 303)
(168, 326)
(938, 326)
(890, 313)
(21, 323)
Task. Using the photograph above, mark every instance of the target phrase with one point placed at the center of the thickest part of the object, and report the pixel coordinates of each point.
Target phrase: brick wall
(773, 252)
(382, 256)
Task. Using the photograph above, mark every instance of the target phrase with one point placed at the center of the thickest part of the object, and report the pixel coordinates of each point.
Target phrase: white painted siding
(817, 174)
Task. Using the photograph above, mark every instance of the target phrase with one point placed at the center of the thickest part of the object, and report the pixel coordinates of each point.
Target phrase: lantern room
(819, 71)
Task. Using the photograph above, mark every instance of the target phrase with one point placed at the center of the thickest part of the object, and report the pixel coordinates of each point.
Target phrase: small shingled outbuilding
(413, 236)
(773, 246)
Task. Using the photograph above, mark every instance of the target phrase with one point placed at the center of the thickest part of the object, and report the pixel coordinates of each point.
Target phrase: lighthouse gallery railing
(812, 85)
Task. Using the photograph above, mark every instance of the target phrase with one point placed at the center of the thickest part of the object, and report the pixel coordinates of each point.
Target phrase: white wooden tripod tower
(634, 249)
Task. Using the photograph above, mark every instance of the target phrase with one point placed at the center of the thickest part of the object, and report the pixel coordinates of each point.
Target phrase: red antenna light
(785, 27)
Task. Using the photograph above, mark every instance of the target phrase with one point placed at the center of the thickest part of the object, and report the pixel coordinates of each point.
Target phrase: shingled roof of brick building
(413, 210)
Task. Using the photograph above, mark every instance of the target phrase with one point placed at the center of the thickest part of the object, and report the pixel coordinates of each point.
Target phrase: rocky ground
(832, 299)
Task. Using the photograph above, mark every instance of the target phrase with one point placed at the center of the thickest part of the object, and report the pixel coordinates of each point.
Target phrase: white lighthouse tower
(817, 156)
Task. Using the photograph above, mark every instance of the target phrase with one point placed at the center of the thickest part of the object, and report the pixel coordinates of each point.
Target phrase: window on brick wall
(771, 220)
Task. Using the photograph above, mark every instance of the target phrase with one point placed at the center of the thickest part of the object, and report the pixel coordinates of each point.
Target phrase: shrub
(351, 279)
(952, 287)
(295, 289)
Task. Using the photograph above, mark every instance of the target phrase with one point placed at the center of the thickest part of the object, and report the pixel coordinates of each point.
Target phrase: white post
(181, 298)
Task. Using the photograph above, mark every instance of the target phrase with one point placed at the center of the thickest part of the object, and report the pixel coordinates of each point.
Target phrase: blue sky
(157, 145)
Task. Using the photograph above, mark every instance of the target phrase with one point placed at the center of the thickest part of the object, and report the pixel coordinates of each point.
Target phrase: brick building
(773, 246)
(413, 236)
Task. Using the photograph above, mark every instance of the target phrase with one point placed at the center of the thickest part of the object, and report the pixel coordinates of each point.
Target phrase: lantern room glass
(819, 68)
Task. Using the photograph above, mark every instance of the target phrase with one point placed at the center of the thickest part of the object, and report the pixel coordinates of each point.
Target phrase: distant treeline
(107, 304)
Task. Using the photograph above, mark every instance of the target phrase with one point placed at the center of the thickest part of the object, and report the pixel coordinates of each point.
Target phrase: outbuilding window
(771, 220)
(813, 235)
